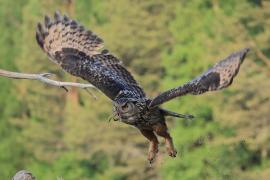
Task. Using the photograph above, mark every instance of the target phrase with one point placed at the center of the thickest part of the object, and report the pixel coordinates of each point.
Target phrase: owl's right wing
(215, 78)
(78, 51)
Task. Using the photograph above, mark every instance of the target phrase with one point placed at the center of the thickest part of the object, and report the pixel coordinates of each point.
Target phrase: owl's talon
(150, 162)
(151, 157)
(172, 152)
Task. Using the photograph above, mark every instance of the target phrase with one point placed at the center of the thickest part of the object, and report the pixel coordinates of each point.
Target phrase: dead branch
(44, 77)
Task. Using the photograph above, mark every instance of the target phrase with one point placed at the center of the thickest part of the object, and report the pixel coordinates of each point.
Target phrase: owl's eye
(127, 107)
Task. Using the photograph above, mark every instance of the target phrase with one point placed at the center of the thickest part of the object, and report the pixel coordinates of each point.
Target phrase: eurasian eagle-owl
(80, 52)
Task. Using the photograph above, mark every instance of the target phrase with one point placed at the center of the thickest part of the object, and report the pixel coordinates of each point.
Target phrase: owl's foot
(171, 152)
(153, 146)
(162, 130)
(153, 150)
(170, 147)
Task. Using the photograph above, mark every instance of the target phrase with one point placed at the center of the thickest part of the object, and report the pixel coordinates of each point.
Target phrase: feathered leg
(153, 147)
(162, 130)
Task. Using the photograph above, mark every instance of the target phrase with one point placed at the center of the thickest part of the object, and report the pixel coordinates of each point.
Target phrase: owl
(81, 53)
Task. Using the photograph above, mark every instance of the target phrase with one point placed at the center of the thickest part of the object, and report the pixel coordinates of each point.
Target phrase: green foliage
(211, 26)
(164, 44)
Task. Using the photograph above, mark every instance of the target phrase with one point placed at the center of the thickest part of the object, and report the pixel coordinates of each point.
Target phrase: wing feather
(220, 76)
(79, 52)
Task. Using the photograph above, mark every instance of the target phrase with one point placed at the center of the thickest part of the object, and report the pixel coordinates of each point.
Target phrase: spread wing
(79, 52)
(218, 77)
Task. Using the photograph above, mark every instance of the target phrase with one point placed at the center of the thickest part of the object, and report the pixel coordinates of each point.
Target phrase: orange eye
(127, 107)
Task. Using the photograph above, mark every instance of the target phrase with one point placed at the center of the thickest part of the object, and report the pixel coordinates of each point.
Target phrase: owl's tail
(165, 112)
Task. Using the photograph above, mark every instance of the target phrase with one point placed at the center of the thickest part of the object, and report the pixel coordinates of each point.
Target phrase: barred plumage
(218, 77)
(80, 52)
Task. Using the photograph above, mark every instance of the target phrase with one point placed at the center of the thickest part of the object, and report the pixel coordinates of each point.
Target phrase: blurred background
(56, 134)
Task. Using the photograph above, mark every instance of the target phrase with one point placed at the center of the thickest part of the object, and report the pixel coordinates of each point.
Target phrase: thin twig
(261, 55)
(91, 93)
(258, 52)
(43, 77)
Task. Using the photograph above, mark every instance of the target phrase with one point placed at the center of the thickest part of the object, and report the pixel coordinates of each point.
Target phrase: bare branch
(43, 77)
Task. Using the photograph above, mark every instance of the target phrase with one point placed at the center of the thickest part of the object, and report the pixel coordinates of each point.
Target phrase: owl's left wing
(218, 77)
(79, 52)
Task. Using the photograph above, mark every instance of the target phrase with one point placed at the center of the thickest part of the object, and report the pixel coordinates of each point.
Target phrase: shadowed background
(164, 44)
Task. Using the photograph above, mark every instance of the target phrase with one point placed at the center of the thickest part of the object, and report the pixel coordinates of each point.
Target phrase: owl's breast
(136, 113)
(149, 118)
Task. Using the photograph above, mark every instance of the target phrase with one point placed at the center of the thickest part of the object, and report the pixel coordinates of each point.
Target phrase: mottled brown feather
(79, 52)
(218, 77)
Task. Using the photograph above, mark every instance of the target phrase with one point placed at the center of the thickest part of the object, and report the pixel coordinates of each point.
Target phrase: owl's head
(129, 110)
